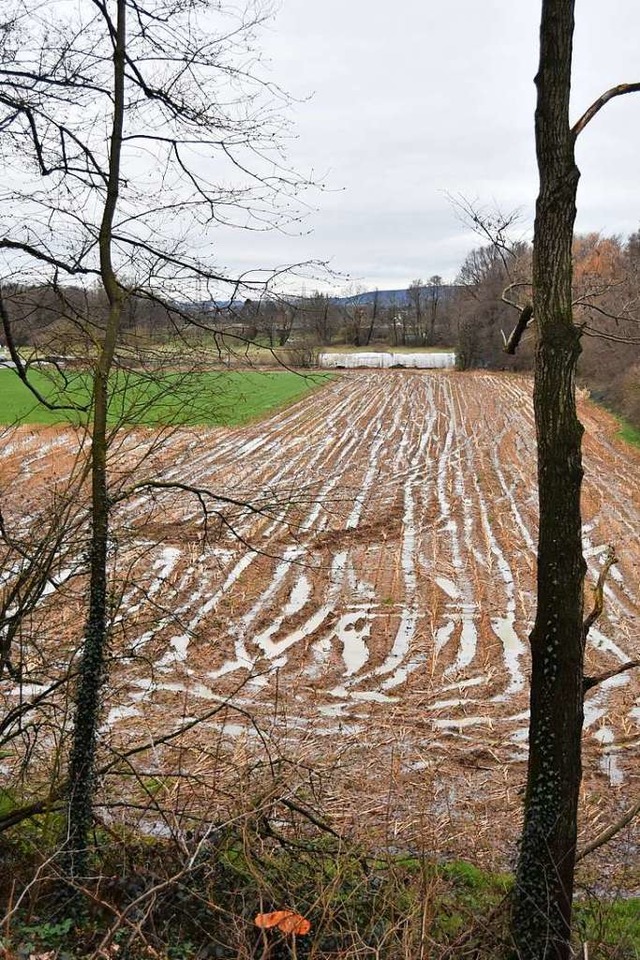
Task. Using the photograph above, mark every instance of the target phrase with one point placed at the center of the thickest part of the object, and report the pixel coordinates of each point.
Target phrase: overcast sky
(415, 99)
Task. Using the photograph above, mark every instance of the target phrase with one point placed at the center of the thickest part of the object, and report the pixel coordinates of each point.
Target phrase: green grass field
(629, 433)
(208, 399)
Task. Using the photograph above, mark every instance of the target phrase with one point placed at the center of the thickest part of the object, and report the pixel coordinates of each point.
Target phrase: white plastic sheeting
(421, 361)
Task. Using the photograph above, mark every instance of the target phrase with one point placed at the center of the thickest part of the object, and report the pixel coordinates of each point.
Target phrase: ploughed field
(364, 618)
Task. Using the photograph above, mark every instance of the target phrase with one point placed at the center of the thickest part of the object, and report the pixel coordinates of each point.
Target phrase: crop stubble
(372, 616)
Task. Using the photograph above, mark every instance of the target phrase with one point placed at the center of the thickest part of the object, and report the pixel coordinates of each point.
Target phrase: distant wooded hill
(391, 298)
(386, 298)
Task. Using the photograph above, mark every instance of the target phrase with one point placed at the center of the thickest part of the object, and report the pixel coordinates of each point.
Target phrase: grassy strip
(628, 433)
(188, 399)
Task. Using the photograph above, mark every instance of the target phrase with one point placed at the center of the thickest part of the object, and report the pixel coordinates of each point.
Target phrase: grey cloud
(415, 98)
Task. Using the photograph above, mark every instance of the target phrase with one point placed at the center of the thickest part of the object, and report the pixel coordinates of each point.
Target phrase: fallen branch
(51, 804)
(610, 832)
(310, 816)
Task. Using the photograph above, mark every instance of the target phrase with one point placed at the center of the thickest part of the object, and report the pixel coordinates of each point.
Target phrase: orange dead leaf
(266, 920)
(295, 923)
(285, 920)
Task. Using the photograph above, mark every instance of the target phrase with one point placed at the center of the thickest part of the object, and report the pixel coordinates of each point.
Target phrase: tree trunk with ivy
(541, 920)
(92, 665)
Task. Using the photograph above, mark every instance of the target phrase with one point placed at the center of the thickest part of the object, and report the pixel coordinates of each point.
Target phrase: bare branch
(598, 606)
(525, 318)
(602, 335)
(610, 832)
(598, 590)
(22, 368)
(619, 316)
(153, 743)
(590, 682)
(598, 104)
(512, 286)
(199, 492)
(310, 816)
(493, 226)
(71, 268)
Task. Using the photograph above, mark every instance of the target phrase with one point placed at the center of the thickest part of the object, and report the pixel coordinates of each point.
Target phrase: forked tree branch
(601, 335)
(201, 493)
(598, 104)
(526, 316)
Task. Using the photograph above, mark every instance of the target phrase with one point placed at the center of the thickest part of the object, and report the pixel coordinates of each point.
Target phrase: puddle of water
(332, 709)
(353, 629)
(457, 702)
(448, 587)
(512, 649)
(273, 648)
(370, 696)
(463, 684)
(372, 469)
(462, 722)
(592, 714)
(598, 640)
(443, 635)
(178, 652)
(299, 597)
(468, 637)
(120, 713)
(401, 674)
(608, 762)
(401, 643)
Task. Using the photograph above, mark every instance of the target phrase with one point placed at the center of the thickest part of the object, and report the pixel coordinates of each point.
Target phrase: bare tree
(417, 300)
(124, 114)
(542, 906)
(480, 311)
(319, 317)
(434, 294)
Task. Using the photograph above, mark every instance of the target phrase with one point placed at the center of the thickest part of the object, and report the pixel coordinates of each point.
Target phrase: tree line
(606, 307)
(472, 315)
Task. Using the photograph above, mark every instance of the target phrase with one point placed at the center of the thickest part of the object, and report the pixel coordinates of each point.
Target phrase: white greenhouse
(420, 361)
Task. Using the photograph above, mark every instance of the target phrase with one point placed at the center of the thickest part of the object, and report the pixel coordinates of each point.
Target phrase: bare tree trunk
(541, 921)
(374, 317)
(92, 666)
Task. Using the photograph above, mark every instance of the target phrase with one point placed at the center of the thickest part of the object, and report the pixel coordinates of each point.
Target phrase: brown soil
(372, 616)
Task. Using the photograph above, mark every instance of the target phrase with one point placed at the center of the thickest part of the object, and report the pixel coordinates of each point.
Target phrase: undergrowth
(197, 899)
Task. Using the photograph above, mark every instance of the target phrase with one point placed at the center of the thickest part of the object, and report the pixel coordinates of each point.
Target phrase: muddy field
(368, 615)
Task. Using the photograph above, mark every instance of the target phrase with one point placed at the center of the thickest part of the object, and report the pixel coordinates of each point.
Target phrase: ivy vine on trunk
(92, 666)
(542, 905)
